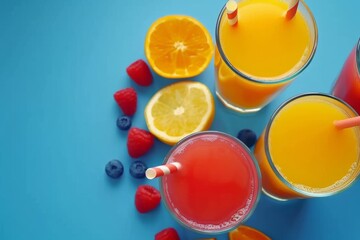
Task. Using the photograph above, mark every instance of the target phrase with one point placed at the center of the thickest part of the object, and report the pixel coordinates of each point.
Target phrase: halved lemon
(247, 233)
(178, 110)
(178, 46)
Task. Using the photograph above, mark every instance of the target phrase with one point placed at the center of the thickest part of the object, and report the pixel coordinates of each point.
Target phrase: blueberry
(247, 136)
(123, 122)
(137, 169)
(114, 169)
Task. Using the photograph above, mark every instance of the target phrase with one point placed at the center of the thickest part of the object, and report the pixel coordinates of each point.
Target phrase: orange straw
(162, 170)
(291, 12)
(232, 12)
(346, 123)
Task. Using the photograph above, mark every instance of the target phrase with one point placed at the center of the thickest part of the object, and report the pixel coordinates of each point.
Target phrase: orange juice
(301, 154)
(262, 53)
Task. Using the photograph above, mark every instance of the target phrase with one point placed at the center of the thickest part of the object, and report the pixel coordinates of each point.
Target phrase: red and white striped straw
(162, 170)
(232, 12)
(291, 12)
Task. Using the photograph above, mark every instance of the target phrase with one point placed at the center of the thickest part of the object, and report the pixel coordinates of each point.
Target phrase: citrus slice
(247, 233)
(178, 110)
(178, 46)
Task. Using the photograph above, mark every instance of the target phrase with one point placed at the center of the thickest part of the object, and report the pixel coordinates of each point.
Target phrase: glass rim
(264, 80)
(358, 56)
(257, 193)
(269, 158)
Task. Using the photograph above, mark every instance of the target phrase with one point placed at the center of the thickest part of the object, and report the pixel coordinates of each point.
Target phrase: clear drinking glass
(302, 154)
(258, 57)
(347, 86)
(218, 185)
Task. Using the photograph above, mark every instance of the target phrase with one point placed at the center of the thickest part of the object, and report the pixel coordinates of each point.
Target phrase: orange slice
(178, 46)
(178, 110)
(247, 233)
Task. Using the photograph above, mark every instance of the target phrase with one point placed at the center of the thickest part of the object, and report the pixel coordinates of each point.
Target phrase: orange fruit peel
(178, 46)
(247, 233)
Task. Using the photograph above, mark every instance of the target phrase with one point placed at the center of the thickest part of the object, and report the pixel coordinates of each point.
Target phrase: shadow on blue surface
(269, 214)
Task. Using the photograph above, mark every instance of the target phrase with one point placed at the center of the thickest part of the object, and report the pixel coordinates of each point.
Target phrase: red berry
(140, 72)
(127, 100)
(167, 234)
(147, 198)
(139, 142)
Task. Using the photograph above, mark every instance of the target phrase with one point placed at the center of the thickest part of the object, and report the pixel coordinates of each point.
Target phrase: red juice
(347, 87)
(218, 185)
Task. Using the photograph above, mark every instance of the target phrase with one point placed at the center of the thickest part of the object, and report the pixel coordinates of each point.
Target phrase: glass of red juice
(218, 185)
(347, 86)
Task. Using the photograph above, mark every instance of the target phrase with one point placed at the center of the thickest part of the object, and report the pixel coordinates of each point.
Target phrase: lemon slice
(178, 110)
(178, 46)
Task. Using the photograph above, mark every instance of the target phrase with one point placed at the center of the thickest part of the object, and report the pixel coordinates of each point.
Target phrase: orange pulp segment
(178, 46)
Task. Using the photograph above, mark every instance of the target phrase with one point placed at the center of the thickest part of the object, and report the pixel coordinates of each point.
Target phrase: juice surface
(217, 185)
(308, 150)
(263, 43)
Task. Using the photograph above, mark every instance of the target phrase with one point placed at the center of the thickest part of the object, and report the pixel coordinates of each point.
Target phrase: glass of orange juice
(302, 154)
(262, 53)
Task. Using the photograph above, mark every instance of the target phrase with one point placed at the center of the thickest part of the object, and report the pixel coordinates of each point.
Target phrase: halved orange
(178, 46)
(247, 233)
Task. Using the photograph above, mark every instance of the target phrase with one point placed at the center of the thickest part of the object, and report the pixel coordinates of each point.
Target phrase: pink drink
(218, 185)
(347, 87)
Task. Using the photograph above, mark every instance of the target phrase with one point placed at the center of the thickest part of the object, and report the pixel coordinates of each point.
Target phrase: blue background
(61, 62)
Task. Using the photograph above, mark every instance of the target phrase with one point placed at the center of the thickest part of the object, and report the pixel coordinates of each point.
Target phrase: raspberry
(127, 100)
(167, 234)
(147, 198)
(140, 73)
(139, 142)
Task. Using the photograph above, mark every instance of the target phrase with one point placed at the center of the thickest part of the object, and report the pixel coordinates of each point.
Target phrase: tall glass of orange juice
(302, 154)
(262, 53)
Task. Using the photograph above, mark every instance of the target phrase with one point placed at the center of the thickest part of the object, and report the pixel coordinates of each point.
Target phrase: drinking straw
(231, 11)
(346, 123)
(291, 12)
(162, 170)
